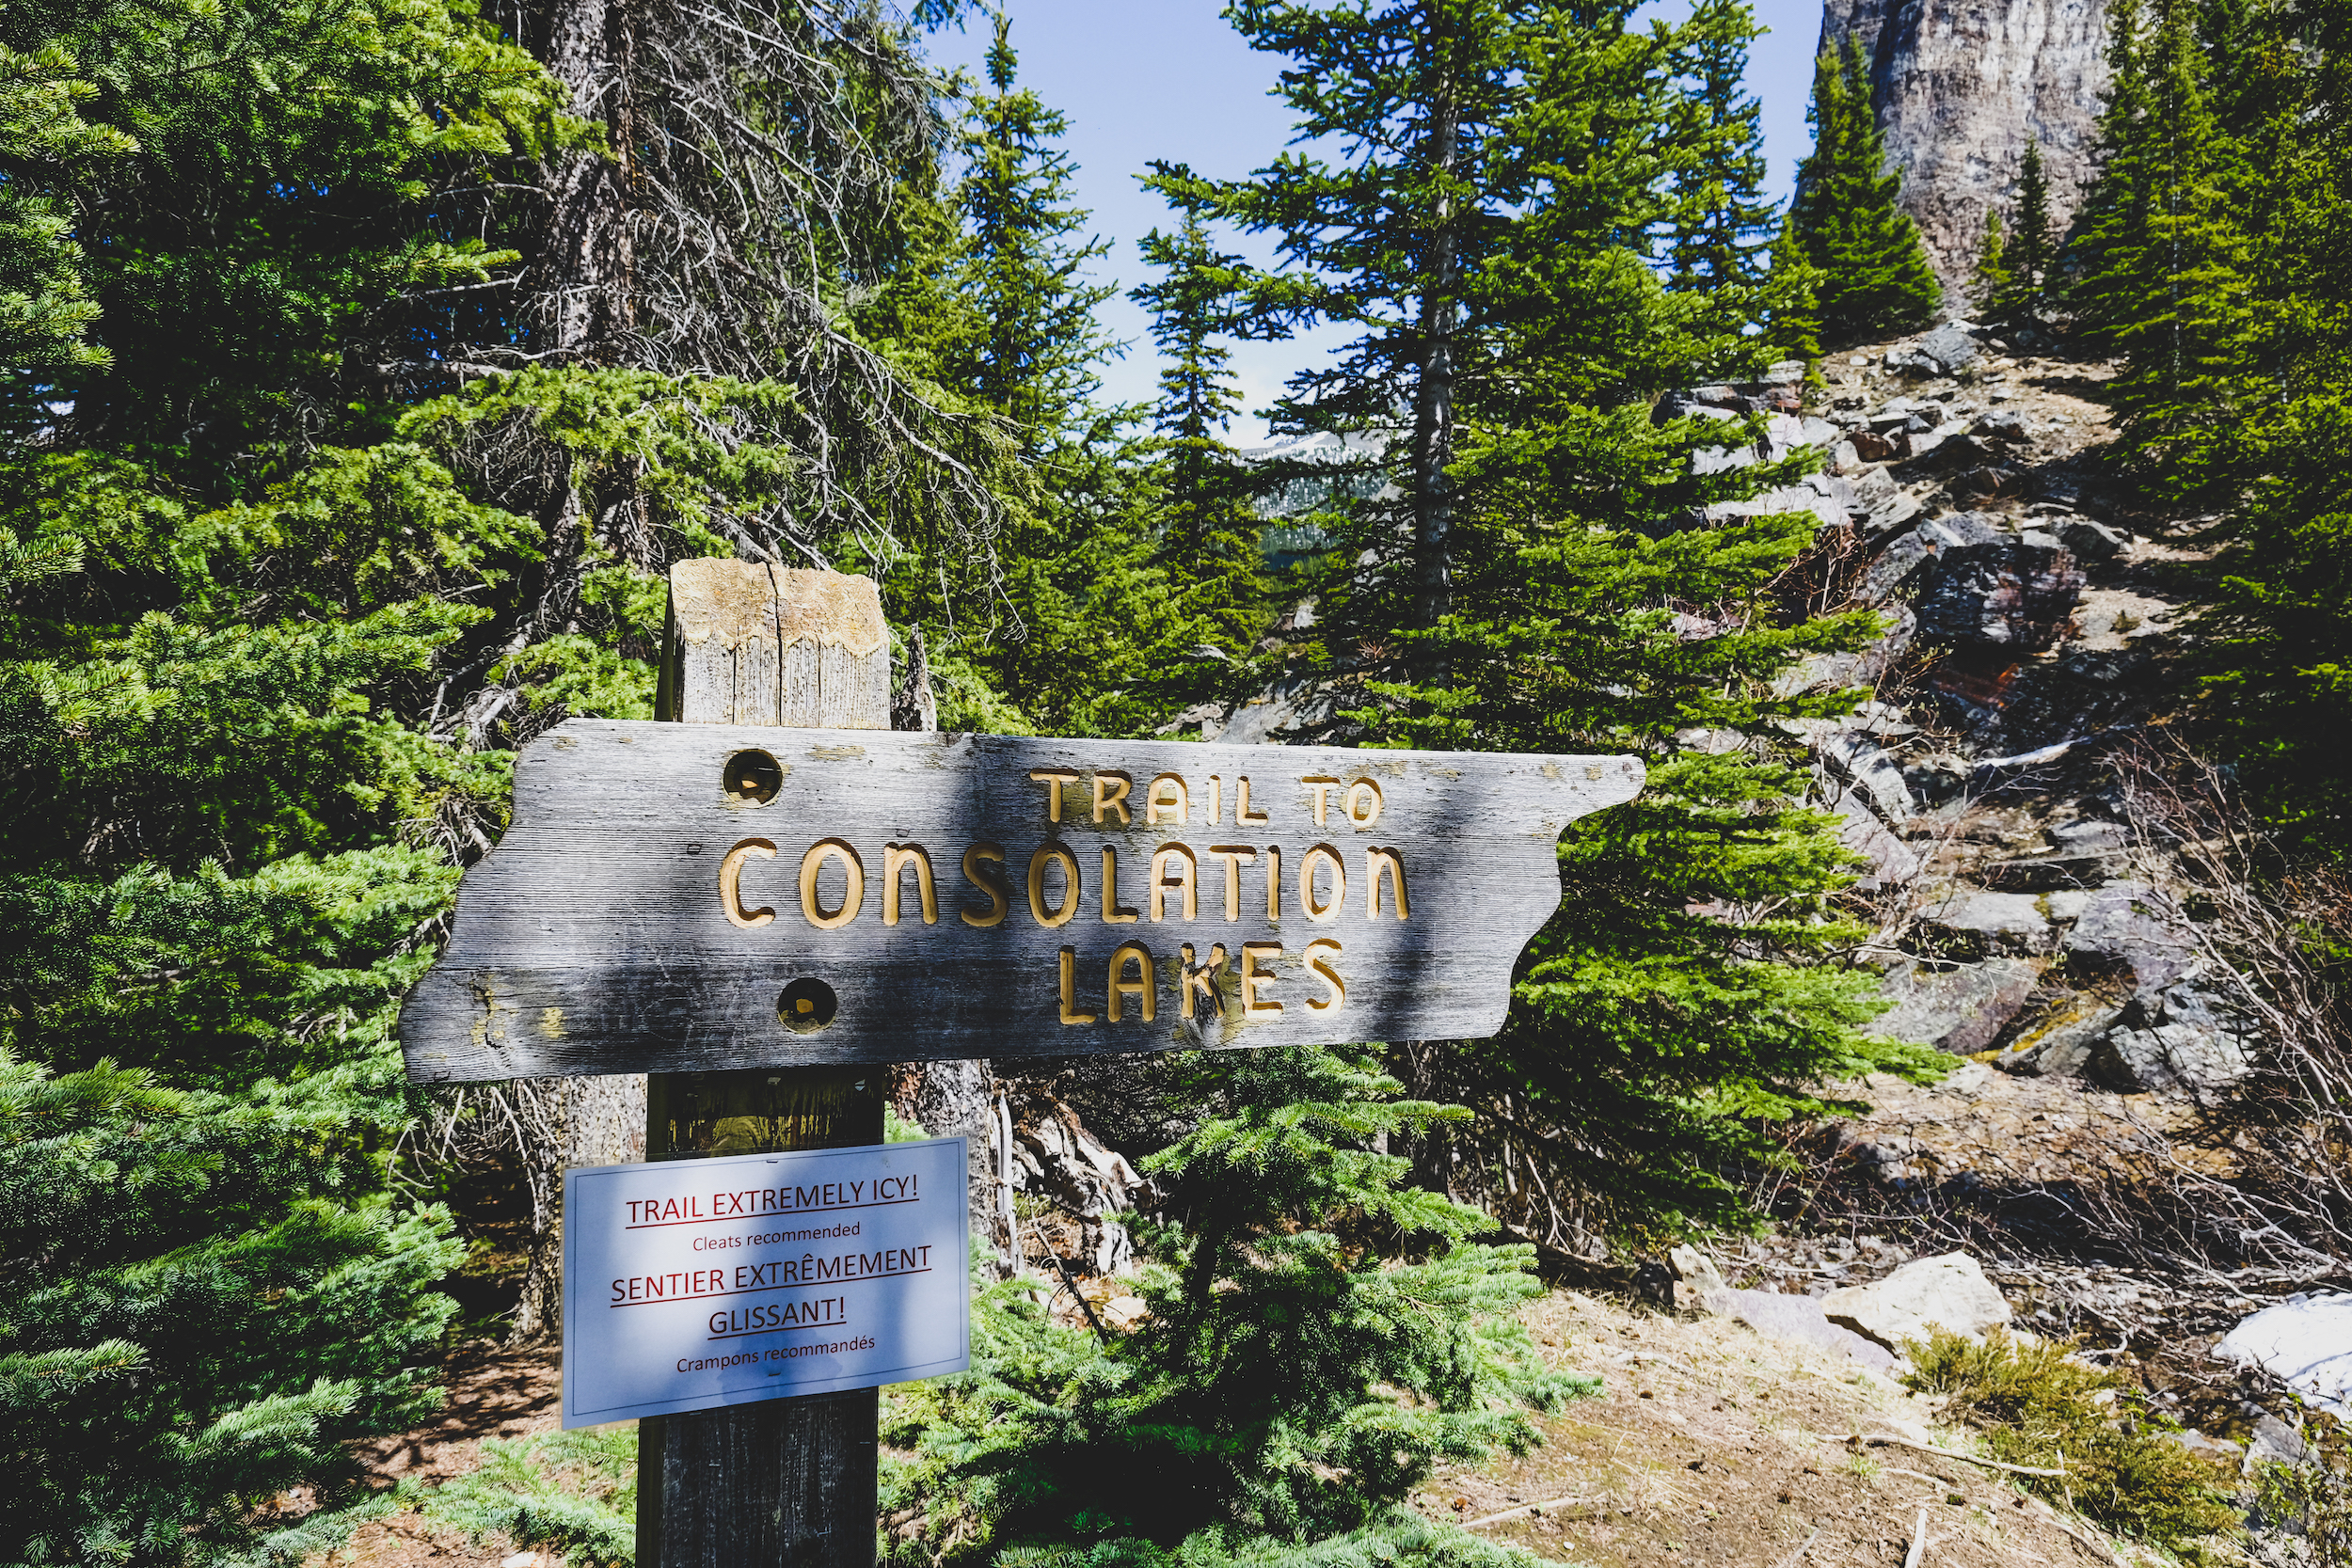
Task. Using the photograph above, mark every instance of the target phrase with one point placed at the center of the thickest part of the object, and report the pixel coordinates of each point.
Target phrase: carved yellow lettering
(1274, 882)
(896, 858)
(1114, 913)
(1046, 855)
(1235, 856)
(989, 879)
(1252, 1005)
(1175, 865)
(1201, 979)
(853, 891)
(1322, 911)
(1052, 779)
(1375, 862)
(1166, 800)
(1146, 988)
(1216, 797)
(1243, 816)
(1363, 802)
(1319, 950)
(731, 884)
(1322, 783)
(1069, 1013)
(1110, 794)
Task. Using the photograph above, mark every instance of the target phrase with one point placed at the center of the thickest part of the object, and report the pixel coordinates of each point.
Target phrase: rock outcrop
(1948, 1291)
(1961, 87)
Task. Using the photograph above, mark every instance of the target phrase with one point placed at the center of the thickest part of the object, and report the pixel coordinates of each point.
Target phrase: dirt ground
(1713, 1444)
(1708, 1444)
(493, 1392)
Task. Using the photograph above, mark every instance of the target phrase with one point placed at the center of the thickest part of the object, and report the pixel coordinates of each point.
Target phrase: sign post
(761, 911)
(783, 1480)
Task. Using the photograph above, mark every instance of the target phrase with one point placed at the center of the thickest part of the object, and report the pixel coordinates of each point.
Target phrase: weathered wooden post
(788, 1481)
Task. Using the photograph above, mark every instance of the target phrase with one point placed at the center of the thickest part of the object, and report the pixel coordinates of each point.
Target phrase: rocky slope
(1962, 85)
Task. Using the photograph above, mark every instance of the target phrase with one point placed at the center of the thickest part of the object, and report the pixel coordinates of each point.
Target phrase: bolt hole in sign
(693, 1284)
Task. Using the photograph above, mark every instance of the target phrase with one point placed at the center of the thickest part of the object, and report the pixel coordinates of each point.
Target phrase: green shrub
(2035, 1406)
(1320, 1336)
(190, 1326)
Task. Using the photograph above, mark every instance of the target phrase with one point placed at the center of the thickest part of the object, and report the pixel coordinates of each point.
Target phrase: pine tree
(1792, 317)
(1990, 276)
(2164, 280)
(1295, 1378)
(1875, 279)
(2274, 649)
(1212, 528)
(1035, 359)
(1570, 541)
(1390, 242)
(2030, 251)
(1721, 228)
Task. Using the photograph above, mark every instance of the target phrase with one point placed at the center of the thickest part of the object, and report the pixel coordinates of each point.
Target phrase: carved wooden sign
(678, 897)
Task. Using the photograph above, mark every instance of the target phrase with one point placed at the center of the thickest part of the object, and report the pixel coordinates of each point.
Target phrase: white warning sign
(690, 1284)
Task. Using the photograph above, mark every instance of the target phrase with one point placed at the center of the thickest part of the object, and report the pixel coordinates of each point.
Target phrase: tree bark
(1440, 322)
(584, 272)
(598, 1121)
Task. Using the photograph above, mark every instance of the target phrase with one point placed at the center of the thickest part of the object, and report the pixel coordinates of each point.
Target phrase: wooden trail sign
(676, 897)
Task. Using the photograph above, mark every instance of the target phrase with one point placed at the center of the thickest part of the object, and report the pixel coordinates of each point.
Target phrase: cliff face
(1961, 84)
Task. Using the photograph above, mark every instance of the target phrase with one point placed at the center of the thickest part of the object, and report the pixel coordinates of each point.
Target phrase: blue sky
(1145, 79)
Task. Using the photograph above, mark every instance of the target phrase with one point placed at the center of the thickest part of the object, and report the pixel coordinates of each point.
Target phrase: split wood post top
(755, 644)
(787, 1483)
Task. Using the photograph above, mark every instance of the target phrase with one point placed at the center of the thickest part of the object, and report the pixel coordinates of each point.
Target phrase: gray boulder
(1869, 769)
(1946, 351)
(2123, 928)
(1979, 585)
(2002, 424)
(1697, 1280)
(1959, 1008)
(2061, 1044)
(2177, 1038)
(1973, 921)
(1949, 1290)
(1801, 1319)
(1893, 863)
(1890, 1160)
(2091, 541)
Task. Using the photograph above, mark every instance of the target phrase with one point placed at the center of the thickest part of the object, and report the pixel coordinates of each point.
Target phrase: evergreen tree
(1792, 319)
(1647, 1045)
(2164, 282)
(2275, 644)
(1034, 360)
(2030, 250)
(1212, 528)
(1874, 278)
(208, 905)
(46, 310)
(1990, 276)
(1391, 242)
(1297, 1378)
(1721, 226)
(1089, 614)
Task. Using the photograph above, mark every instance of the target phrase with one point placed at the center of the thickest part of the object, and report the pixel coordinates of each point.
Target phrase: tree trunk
(584, 272)
(952, 1099)
(1432, 393)
(596, 1121)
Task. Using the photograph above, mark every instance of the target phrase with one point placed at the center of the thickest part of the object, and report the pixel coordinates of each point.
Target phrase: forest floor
(1709, 1444)
(492, 1391)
